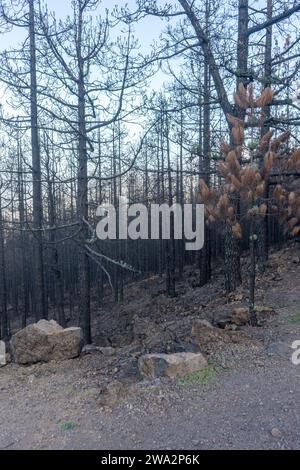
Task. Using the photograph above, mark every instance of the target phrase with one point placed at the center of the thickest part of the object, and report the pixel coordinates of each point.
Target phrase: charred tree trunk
(58, 281)
(232, 268)
(4, 333)
(82, 197)
(233, 276)
(23, 241)
(263, 242)
(39, 306)
(170, 244)
(205, 254)
(253, 238)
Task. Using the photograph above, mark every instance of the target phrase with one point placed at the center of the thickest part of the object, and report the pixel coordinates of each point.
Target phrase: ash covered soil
(248, 397)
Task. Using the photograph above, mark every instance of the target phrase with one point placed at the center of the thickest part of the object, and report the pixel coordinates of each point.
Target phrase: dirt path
(57, 406)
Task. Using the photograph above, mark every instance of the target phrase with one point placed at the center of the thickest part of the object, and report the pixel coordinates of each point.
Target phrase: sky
(146, 31)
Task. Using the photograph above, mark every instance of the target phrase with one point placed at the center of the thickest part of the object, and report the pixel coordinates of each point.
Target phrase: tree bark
(262, 243)
(3, 284)
(82, 196)
(40, 307)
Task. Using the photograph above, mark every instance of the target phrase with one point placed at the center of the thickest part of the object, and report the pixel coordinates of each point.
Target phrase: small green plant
(203, 377)
(67, 426)
(295, 319)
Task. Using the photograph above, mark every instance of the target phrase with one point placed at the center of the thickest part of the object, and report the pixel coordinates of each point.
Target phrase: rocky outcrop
(211, 339)
(46, 341)
(240, 316)
(172, 366)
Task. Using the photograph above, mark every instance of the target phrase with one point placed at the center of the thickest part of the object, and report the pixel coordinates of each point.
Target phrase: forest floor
(248, 398)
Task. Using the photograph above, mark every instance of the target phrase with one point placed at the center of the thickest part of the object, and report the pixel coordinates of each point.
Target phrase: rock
(89, 349)
(108, 351)
(207, 337)
(276, 433)
(172, 366)
(239, 297)
(296, 260)
(195, 442)
(191, 347)
(235, 297)
(205, 323)
(223, 323)
(46, 341)
(133, 350)
(264, 311)
(113, 393)
(276, 277)
(2, 354)
(129, 368)
(240, 316)
(231, 327)
(239, 337)
(92, 348)
(8, 358)
(212, 339)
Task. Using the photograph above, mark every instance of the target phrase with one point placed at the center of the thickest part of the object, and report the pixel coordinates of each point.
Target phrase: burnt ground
(248, 398)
